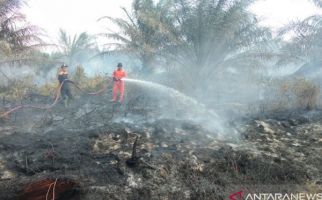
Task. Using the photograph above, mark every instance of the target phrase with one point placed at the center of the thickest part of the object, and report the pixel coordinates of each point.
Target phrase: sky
(74, 16)
(77, 16)
(277, 13)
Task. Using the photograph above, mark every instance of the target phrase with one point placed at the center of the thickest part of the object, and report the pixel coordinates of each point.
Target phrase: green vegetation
(203, 41)
(18, 40)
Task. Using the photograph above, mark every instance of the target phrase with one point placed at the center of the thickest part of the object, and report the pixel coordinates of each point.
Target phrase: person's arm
(59, 75)
(60, 78)
(123, 75)
(114, 76)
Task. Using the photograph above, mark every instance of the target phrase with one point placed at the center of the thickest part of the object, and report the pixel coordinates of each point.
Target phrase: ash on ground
(111, 151)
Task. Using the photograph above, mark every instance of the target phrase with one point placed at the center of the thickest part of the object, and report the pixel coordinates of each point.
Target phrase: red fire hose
(46, 107)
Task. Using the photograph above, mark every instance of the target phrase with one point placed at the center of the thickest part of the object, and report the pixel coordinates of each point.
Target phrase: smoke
(173, 93)
(212, 97)
(10, 73)
(162, 102)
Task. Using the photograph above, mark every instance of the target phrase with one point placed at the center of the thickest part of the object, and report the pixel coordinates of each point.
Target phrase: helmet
(119, 65)
(63, 65)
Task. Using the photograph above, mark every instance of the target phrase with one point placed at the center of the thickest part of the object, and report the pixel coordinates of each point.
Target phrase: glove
(115, 79)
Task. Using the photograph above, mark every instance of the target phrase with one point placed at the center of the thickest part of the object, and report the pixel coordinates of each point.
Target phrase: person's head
(64, 67)
(119, 66)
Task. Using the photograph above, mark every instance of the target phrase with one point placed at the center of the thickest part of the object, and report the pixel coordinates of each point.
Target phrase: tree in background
(76, 49)
(215, 34)
(318, 2)
(145, 33)
(197, 41)
(305, 44)
(18, 39)
(199, 33)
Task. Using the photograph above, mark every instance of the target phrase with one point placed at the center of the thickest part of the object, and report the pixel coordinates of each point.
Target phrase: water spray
(200, 112)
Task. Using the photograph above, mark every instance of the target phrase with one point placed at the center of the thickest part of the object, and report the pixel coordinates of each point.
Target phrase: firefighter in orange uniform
(118, 75)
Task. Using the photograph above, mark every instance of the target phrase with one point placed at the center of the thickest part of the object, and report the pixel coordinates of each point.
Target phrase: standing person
(118, 75)
(65, 89)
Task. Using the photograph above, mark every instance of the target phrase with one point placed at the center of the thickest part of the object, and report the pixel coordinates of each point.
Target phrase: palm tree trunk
(146, 69)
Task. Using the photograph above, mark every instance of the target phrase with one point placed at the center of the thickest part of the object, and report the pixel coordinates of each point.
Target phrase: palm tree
(75, 49)
(216, 35)
(221, 28)
(146, 32)
(306, 44)
(19, 41)
(318, 2)
(17, 38)
(194, 33)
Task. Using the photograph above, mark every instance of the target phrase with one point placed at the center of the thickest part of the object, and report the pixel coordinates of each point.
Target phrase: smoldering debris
(168, 158)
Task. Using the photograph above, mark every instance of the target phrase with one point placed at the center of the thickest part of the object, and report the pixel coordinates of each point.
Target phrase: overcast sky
(76, 16)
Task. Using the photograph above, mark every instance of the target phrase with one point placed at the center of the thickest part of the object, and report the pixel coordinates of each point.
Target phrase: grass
(298, 93)
(20, 89)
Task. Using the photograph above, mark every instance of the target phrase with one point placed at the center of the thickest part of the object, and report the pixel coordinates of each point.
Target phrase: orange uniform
(118, 84)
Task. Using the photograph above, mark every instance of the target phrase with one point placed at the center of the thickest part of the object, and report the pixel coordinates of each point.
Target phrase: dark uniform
(65, 89)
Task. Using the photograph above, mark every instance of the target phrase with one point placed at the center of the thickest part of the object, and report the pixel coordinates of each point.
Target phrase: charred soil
(96, 149)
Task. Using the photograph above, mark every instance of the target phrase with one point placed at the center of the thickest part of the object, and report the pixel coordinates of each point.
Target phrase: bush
(306, 94)
(79, 76)
(88, 84)
(48, 89)
(93, 84)
(22, 88)
(17, 89)
(296, 94)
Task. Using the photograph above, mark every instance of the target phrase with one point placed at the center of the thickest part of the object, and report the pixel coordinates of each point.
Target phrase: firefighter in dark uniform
(65, 89)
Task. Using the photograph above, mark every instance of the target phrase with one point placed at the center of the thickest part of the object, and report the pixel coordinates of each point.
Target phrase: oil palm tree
(215, 36)
(145, 33)
(75, 49)
(18, 39)
(195, 33)
(305, 45)
(218, 30)
(318, 2)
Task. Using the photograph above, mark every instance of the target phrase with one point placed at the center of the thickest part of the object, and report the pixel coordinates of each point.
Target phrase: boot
(66, 103)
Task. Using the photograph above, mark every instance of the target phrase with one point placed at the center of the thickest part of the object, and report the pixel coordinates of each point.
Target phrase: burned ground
(100, 150)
